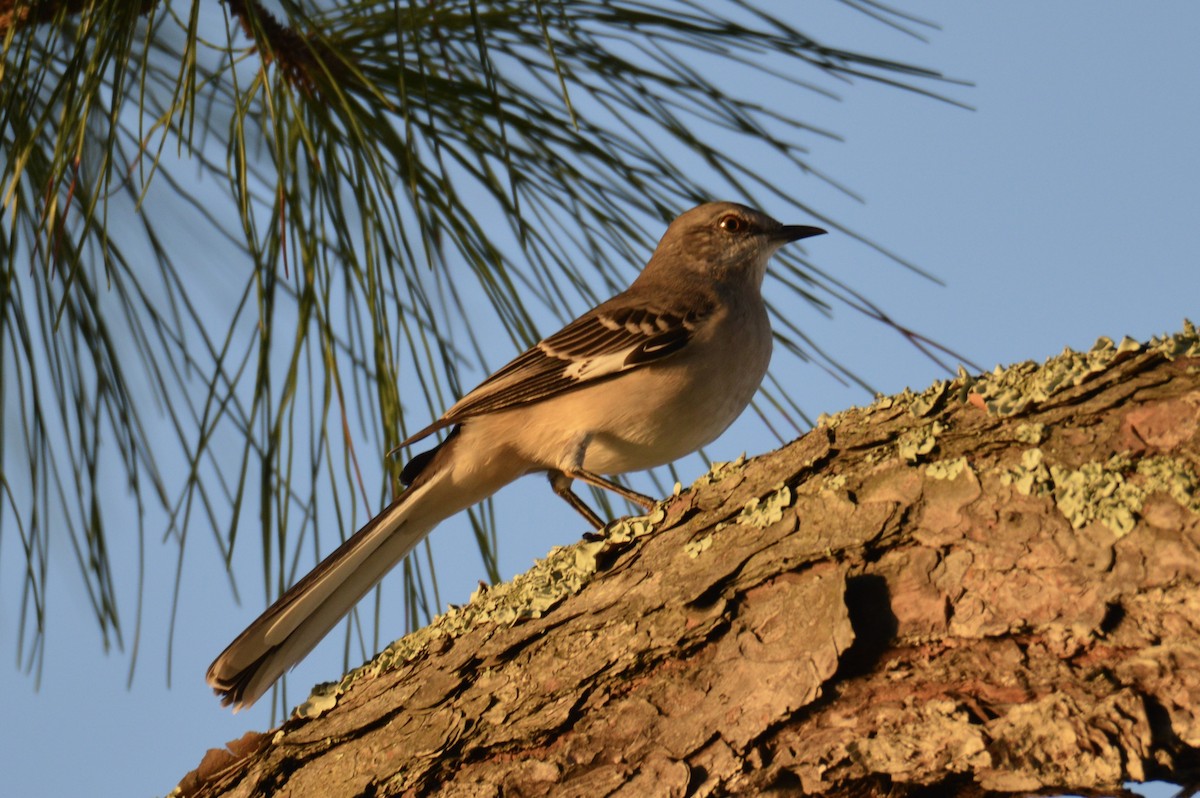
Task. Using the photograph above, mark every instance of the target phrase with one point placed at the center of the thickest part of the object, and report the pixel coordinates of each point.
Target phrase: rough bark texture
(993, 586)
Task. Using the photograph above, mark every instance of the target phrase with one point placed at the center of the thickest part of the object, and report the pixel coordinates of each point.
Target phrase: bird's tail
(301, 617)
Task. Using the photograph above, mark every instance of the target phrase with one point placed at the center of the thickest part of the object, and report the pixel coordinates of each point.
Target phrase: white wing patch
(592, 367)
(611, 339)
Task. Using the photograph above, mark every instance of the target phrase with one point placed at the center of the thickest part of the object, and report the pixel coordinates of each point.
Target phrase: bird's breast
(647, 416)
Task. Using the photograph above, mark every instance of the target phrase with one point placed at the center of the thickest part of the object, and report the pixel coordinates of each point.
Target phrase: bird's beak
(795, 232)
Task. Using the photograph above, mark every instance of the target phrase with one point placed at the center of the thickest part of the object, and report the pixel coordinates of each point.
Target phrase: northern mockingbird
(647, 377)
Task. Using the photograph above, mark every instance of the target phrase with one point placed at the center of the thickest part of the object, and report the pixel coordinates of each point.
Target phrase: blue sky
(1063, 208)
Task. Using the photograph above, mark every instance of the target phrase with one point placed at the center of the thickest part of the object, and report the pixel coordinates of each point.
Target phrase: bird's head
(725, 242)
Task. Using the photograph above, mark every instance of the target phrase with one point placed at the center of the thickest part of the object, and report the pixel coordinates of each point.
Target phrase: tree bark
(993, 586)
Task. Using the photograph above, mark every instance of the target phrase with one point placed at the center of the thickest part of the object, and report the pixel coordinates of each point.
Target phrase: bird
(643, 379)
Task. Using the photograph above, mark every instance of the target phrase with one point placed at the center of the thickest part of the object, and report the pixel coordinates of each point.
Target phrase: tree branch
(298, 57)
(14, 13)
(991, 586)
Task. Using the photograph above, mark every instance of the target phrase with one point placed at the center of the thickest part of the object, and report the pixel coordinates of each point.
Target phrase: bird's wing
(609, 340)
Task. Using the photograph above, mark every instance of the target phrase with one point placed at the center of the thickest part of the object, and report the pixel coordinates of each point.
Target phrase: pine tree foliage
(233, 232)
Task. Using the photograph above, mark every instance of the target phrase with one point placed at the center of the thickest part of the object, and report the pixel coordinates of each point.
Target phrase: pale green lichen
(882, 402)
(853, 413)
(563, 572)
(947, 469)
(1181, 344)
(1098, 492)
(829, 421)
(922, 404)
(914, 444)
(323, 698)
(1173, 477)
(694, 548)
(1129, 345)
(720, 471)
(634, 527)
(834, 482)
(919, 405)
(1032, 433)
(1008, 391)
(1031, 477)
(1101, 491)
(763, 511)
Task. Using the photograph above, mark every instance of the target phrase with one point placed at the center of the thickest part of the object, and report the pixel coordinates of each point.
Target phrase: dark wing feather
(594, 347)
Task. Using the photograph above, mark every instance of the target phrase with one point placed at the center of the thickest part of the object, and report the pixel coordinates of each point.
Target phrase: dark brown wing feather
(596, 346)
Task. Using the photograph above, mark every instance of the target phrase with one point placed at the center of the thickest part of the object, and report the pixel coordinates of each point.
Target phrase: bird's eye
(731, 223)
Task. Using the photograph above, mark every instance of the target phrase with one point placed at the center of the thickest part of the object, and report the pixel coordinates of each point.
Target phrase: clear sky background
(1066, 207)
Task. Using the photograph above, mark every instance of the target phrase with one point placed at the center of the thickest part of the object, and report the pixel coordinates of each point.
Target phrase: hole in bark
(1162, 731)
(869, 603)
(786, 783)
(1114, 613)
(277, 781)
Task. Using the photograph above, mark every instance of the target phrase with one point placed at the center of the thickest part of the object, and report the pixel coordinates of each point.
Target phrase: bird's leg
(600, 482)
(561, 484)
